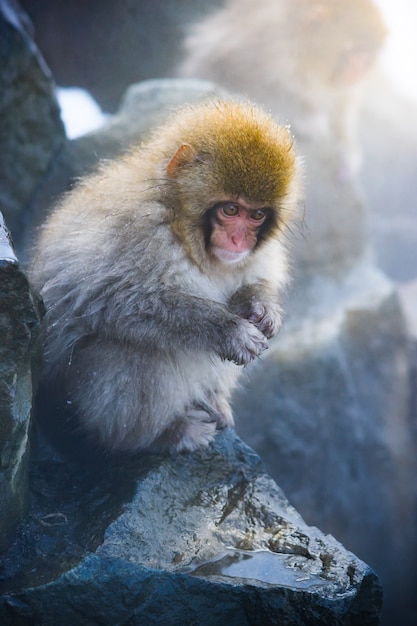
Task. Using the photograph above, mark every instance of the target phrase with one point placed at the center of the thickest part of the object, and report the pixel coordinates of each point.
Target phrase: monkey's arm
(167, 319)
(258, 303)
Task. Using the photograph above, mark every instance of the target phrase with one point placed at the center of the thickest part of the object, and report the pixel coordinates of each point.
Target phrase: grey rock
(146, 43)
(31, 132)
(204, 538)
(333, 395)
(20, 312)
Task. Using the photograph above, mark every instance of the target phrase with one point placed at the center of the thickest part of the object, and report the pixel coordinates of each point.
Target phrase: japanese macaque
(162, 274)
(302, 59)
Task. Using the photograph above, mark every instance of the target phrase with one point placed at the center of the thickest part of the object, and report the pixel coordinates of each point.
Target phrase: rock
(20, 312)
(146, 43)
(32, 132)
(333, 396)
(200, 538)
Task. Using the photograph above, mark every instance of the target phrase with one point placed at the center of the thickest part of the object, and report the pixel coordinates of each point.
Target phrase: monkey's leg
(219, 409)
(132, 400)
(123, 398)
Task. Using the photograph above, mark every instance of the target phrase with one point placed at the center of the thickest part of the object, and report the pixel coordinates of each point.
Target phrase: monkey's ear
(183, 155)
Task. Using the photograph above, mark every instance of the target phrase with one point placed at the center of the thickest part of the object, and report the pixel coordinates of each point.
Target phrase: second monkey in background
(162, 276)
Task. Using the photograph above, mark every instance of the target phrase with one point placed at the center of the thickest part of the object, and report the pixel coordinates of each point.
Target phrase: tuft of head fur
(236, 150)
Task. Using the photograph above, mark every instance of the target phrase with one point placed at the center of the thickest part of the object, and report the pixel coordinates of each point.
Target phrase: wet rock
(200, 538)
(20, 312)
(32, 133)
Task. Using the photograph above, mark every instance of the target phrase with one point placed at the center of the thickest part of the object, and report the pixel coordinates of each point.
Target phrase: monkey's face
(217, 224)
(231, 181)
(234, 230)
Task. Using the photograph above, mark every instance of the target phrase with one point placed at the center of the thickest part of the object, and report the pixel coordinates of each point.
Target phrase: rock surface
(202, 538)
(20, 312)
(144, 105)
(146, 43)
(32, 133)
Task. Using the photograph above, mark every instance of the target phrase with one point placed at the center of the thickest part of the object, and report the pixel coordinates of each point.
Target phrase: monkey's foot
(196, 429)
(199, 429)
(217, 410)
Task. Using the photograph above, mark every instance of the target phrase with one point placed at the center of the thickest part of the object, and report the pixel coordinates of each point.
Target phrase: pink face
(235, 229)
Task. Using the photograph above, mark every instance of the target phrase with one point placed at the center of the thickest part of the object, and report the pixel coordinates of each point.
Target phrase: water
(265, 566)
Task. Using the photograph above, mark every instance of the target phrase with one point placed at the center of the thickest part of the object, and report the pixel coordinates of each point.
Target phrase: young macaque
(161, 275)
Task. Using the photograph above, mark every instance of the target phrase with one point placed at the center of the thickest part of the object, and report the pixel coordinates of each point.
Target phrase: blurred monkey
(305, 61)
(302, 59)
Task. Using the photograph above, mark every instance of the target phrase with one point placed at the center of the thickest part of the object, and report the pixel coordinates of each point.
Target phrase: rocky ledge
(203, 538)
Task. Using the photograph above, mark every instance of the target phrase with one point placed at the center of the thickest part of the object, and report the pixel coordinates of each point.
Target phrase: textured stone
(31, 132)
(19, 324)
(200, 539)
(147, 42)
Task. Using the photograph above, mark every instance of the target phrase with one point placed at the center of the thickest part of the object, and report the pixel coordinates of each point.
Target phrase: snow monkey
(162, 276)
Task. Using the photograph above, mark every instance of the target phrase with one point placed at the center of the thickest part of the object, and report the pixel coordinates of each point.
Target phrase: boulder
(144, 105)
(201, 538)
(32, 133)
(20, 313)
(145, 44)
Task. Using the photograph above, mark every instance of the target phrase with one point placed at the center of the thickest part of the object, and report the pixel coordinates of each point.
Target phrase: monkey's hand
(260, 309)
(267, 321)
(244, 344)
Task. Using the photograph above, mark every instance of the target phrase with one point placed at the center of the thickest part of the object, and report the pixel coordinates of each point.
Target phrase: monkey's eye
(230, 209)
(258, 214)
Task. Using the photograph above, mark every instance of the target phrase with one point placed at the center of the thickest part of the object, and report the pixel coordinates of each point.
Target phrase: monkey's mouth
(229, 257)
